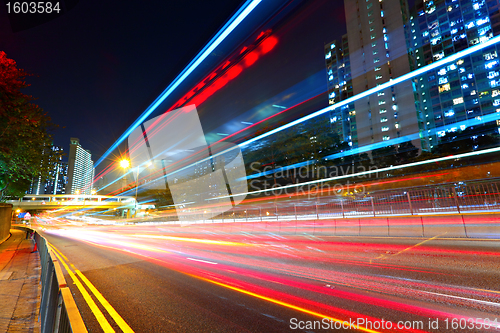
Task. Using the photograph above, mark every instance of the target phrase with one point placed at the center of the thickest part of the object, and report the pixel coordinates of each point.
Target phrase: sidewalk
(19, 284)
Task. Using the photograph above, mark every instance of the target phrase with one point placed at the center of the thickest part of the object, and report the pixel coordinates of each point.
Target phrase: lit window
(490, 56)
(381, 101)
(444, 88)
(482, 21)
(380, 93)
(383, 119)
(439, 55)
(383, 111)
(375, 52)
(436, 40)
(372, 28)
(381, 13)
(386, 138)
(373, 36)
(385, 128)
(377, 69)
(374, 44)
(328, 55)
(396, 125)
(378, 77)
(449, 113)
(376, 60)
(458, 100)
(491, 64)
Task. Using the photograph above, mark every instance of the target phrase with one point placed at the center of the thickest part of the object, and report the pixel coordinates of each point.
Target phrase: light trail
(317, 277)
(451, 58)
(233, 22)
(383, 86)
(369, 172)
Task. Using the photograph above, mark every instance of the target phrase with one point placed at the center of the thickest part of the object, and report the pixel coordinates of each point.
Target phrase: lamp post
(125, 164)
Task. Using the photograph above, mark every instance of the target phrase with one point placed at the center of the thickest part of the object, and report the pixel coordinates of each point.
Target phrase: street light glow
(125, 163)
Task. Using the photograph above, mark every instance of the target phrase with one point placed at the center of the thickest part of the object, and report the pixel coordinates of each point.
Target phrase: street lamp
(125, 163)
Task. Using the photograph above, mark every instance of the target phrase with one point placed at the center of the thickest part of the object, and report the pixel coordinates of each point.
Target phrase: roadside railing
(439, 199)
(58, 310)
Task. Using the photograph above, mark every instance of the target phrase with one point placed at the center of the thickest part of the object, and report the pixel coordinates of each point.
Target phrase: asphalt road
(226, 278)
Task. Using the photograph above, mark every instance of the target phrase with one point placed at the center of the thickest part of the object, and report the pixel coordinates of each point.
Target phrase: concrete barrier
(444, 226)
(324, 228)
(373, 226)
(347, 227)
(482, 226)
(472, 225)
(5, 218)
(405, 226)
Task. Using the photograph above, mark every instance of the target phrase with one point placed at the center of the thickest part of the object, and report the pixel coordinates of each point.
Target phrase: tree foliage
(25, 142)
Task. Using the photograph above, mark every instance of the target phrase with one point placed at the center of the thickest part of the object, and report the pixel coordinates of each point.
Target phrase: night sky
(100, 65)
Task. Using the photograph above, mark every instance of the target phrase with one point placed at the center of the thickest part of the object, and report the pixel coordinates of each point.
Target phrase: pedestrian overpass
(71, 202)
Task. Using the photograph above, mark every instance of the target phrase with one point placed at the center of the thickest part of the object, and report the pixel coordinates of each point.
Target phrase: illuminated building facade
(80, 169)
(385, 40)
(377, 47)
(338, 68)
(58, 174)
(460, 94)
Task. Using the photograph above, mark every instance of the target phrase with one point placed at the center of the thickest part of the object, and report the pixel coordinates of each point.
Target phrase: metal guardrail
(58, 310)
(447, 198)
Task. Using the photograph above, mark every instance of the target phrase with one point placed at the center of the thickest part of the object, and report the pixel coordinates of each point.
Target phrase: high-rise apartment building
(377, 48)
(460, 94)
(80, 169)
(338, 68)
(58, 177)
(386, 40)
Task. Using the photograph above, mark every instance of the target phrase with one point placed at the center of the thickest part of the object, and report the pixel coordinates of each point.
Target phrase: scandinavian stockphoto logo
(171, 151)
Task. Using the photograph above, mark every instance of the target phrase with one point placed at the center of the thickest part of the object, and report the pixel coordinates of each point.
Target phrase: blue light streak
(382, 144)
(233, 22)
(383, 86)
(368, 172)
(366, 93)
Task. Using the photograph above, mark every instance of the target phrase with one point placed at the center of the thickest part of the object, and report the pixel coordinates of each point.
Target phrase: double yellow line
(88, 298)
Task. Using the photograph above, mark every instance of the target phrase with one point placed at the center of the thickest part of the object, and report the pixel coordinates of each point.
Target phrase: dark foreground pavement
(19, 284)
